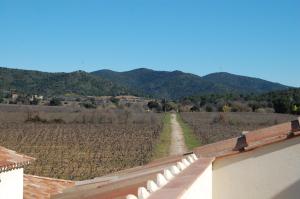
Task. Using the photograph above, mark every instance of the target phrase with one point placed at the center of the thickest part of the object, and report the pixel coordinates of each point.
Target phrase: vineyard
(212, 127)
(77, 144)
(81, 144)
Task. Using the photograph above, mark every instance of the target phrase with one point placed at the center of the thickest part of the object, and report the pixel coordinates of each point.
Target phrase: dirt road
(177, 140)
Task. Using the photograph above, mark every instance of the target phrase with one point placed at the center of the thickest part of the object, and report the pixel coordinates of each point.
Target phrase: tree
(208, 108)
(281, 105)
(254, 105)
(296, 109)
(114, 100)
(195, 109)
(55, 102)
(153, 105)
(35, 101)
(226, 108)
(168, 105)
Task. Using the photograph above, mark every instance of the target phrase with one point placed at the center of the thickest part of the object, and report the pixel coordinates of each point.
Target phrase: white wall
(202, 187)
(11, 185)
(269, 172)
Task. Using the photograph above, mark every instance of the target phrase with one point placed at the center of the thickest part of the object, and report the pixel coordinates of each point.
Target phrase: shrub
(114, 100)
(220, 118)
(195, 109)
(153, 105)
(240, 107)
(296, 109)
(88, 105)
(234, 109)
(220, 105)
(208, 108)
(226, 108)
(260, 110)
(36, 119)
(58, 121)
(168, 106)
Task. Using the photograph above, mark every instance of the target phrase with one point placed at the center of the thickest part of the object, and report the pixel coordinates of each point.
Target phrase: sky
(258, 38)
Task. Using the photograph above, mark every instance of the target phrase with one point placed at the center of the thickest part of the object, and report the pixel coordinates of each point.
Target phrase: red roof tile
(10, 159)
(42, 187)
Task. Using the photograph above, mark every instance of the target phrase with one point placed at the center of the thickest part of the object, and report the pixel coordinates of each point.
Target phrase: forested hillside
(141, 82)
(177, 84)
(49, 84)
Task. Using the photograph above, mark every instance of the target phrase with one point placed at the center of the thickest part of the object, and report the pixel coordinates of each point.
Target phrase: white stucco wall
(202, 187)
(11, 185)
(269, 172)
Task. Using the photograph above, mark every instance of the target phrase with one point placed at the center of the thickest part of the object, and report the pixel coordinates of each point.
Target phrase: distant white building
(14, 97)
(36, 97)
(11, 173)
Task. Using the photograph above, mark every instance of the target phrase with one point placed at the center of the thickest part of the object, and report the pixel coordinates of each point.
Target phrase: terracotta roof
(120, 184)
(252, 139)
(42, 187)
(10, 159)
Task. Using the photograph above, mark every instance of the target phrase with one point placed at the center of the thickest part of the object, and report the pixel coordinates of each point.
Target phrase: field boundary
(191, 140)
(162, 147)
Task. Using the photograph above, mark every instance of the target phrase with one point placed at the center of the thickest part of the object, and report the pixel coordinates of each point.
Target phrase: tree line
(286, 101)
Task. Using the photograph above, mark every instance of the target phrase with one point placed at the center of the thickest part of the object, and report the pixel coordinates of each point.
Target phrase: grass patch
(162, 147)
(190, 139)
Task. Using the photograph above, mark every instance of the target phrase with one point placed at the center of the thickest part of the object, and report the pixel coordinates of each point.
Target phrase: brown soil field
(79, 144)
(211, 127)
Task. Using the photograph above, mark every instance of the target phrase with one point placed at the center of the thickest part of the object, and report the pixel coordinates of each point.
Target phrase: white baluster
(152, 186)
(168, 175)
(181, 166)
(143, 193)
(185, 162)
(161, 180)
(190, 159)
(131, 197)
(174, 169)
(194, 156)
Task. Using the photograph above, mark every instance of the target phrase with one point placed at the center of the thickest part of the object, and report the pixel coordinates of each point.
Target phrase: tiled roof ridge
(163, 179)
(52, 179)
(130, 171)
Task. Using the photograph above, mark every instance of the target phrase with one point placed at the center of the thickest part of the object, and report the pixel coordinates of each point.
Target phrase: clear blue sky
(259, 38)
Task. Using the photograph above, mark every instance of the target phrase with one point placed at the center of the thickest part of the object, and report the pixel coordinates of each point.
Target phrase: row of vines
(78, 151)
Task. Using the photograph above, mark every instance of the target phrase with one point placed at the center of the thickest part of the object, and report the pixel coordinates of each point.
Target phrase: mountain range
(141, 82)
(177, 84)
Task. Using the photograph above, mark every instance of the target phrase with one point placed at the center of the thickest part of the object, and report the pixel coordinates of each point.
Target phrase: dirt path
(177, 140)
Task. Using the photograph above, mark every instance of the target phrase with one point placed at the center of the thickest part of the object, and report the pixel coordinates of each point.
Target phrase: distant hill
(49, 84)
(141, 82)
(162, 84)
(176, 84)
(243, 83)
